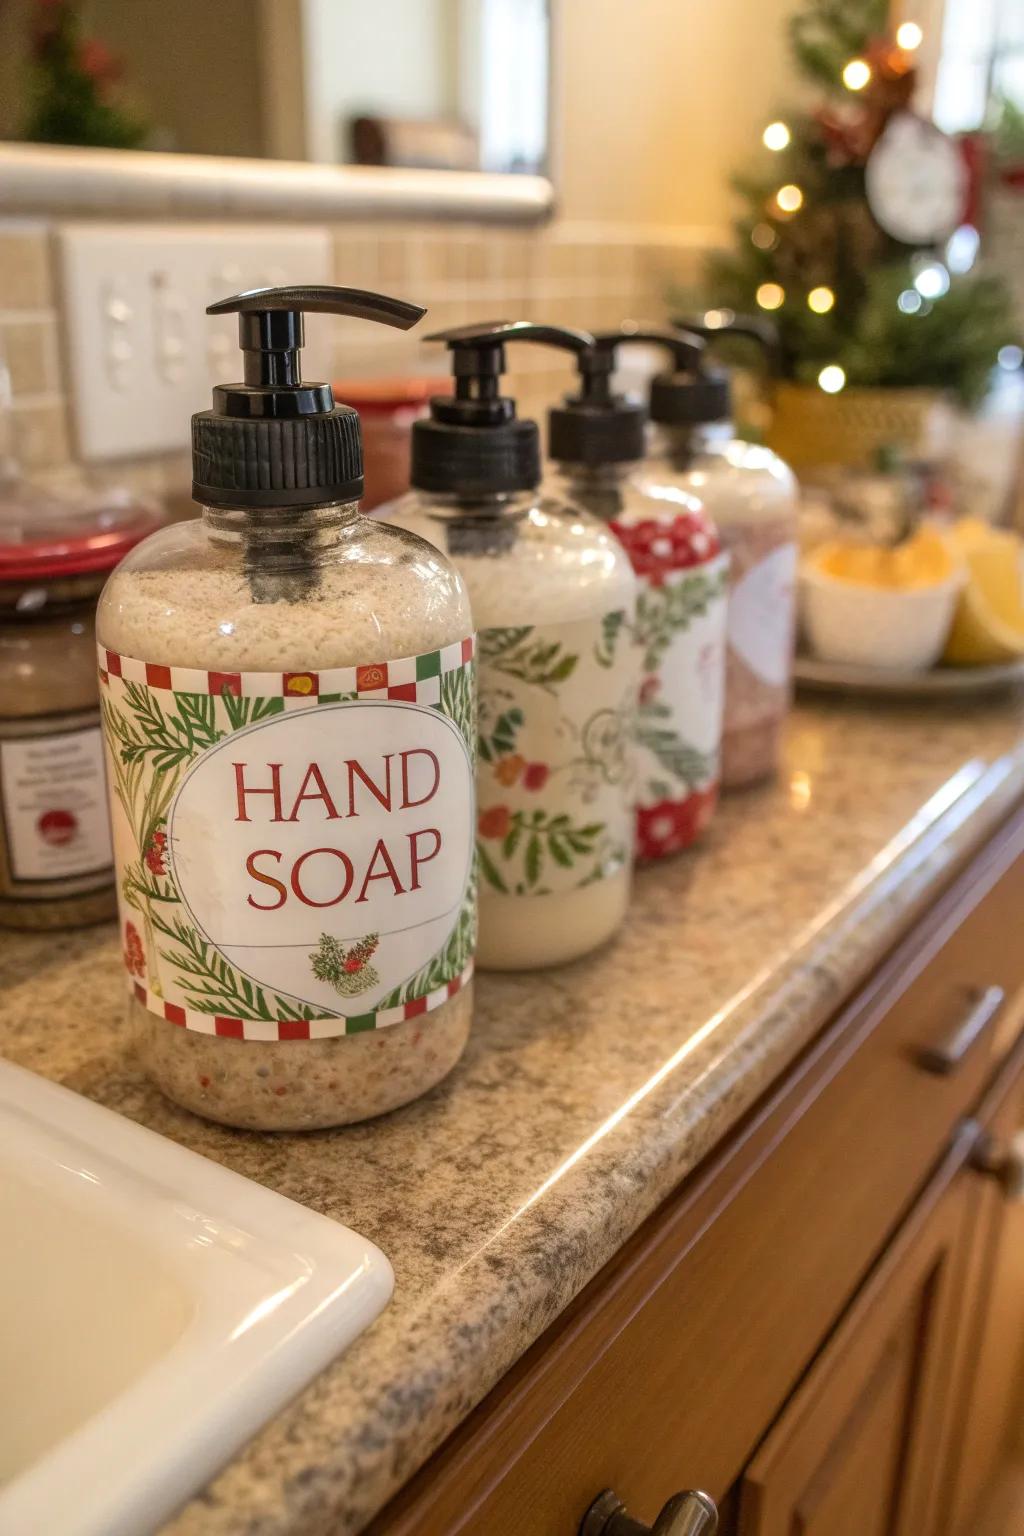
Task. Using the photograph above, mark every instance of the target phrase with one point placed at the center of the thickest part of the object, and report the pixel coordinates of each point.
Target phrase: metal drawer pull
(686, 1514)
(1003, 1161)
(946, 1054)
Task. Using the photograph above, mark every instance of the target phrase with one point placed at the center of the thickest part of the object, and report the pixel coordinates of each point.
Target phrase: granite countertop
(585, 1095)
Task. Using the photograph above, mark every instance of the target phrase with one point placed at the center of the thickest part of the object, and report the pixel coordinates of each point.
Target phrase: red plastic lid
(42, 538)
(380, 397)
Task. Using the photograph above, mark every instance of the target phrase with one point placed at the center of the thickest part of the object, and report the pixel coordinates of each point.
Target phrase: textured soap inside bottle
(752, 497)
(680, 635)
(287, 593)
(553, 597)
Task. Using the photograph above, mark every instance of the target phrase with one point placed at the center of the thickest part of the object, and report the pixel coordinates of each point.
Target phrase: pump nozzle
(478, 361)
(596, 426)
(688, 393)
(715, 324)
(273, 439)
(473, 444)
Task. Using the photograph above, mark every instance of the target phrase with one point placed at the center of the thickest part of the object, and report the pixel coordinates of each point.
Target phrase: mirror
(435, 84)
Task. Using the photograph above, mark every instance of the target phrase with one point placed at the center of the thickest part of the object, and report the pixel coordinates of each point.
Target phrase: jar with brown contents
(56, 865)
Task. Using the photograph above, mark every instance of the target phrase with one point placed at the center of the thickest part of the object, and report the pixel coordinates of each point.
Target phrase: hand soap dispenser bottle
(752, 497)
(596, 449)
(553, 596)
(288, 703)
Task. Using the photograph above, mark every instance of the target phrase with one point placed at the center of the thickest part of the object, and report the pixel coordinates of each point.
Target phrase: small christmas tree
(854, 304)
(71, 80)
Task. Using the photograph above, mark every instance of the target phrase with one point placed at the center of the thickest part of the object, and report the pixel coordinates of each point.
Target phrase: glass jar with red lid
(387, 409)
(56, 866)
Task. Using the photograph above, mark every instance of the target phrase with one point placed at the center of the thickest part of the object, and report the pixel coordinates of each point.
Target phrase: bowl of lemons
(941, 611)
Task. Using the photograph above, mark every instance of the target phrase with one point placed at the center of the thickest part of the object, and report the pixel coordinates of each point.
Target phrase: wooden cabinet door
(858, 1450)
(989, 1434)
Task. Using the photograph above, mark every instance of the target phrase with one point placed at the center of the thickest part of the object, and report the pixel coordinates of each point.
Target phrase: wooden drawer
(665, 1372)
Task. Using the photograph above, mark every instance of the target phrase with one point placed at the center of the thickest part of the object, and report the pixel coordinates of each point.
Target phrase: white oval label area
(345, 830)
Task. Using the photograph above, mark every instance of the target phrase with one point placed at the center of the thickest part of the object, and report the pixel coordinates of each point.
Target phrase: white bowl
(903, 629)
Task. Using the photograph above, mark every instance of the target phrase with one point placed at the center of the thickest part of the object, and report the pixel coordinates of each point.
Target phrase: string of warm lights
(931, 278)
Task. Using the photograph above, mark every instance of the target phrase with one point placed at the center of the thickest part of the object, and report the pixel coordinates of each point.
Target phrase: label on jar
(294, 850)
(680, 630)
(761, 616)
(53, 801)
(556, 713)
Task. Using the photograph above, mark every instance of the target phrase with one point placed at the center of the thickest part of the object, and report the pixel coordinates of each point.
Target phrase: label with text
(294, 850)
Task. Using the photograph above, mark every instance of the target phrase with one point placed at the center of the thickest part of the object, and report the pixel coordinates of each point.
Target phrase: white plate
(837, 677)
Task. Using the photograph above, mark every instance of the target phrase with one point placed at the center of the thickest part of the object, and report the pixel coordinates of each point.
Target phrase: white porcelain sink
(155, 1310)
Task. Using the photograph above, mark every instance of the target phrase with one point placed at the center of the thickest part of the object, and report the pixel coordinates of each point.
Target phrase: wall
(656, 101)
(661, 100)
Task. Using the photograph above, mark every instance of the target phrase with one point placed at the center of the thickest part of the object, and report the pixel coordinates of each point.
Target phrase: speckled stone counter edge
(400, 1395)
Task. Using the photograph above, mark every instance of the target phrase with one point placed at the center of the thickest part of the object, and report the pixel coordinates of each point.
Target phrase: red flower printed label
(555, 762)
(295, 851)
(680, 631)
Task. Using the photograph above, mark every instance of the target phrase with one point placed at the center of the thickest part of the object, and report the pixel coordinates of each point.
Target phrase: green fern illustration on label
(539, 662)
(663, 612)
(685, 763)
(532, 842)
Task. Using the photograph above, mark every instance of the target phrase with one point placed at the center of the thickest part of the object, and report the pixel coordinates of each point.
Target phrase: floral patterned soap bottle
(553, 596)
(596, 445)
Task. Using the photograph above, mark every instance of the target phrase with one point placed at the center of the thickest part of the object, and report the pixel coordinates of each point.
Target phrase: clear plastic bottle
(288, 700)
(596, 451)
(751, 496)
(553, 595)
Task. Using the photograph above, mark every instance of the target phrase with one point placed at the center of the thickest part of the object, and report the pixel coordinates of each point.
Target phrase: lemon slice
(988, 626)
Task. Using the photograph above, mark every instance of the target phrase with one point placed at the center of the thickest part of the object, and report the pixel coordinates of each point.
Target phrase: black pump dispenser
(473, 444)
(691, 392)
(719, 325)
(596, 426)
(274, 440)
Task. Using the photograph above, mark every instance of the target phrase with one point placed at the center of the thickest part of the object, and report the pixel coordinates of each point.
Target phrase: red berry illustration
(494, 821)
(134, 954)
(155, 854)
(536, 775)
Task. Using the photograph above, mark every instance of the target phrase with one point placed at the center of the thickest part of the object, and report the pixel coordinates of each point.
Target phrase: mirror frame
(52, 180)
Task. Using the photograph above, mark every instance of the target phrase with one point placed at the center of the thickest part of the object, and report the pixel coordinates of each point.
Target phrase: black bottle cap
(275, 440)
(596, 426)
(719, 324)
(689, 393)
(473, 444)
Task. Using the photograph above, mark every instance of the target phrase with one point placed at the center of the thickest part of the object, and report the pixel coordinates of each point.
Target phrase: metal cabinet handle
(1002, 1161)
(686, 1514)
(945, 1055)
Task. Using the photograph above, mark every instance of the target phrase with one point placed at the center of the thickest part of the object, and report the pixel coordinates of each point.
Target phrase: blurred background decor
(69, 96)
(862, 237)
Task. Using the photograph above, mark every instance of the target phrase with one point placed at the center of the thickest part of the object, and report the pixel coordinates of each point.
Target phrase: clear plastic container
(249, 611)
(751, 496)
(553, 596)
(680, 631)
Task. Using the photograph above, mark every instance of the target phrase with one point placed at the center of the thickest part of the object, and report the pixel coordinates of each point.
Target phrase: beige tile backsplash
(583, 275)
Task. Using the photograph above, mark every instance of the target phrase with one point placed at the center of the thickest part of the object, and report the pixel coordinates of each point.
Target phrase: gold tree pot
(810, 428)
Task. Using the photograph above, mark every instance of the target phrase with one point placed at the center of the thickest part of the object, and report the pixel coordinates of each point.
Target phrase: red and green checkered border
(273, 1030)
(409, 679)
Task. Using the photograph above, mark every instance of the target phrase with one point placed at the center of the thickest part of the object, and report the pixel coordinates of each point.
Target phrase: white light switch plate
(143, 354)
